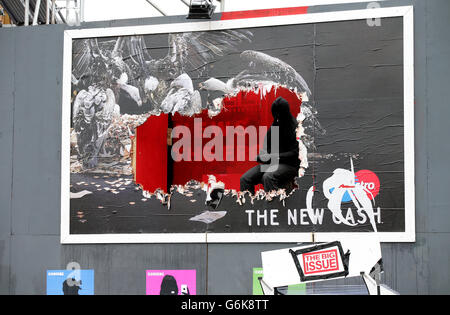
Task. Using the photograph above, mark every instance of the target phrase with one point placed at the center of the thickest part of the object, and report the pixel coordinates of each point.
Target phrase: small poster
(297, 289)
(70, 282)
(321, 261)
(171, 282)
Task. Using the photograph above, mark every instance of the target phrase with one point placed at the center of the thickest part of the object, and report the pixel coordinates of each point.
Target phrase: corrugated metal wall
(30, 134)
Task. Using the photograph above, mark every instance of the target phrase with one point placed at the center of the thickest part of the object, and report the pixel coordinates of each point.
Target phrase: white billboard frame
(406, 12)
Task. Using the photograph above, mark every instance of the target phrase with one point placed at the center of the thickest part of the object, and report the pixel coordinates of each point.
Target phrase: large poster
(276, 129)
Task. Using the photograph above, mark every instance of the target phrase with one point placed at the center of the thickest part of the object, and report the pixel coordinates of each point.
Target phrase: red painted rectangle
(321, 261)
(151, 155)
(234, 15)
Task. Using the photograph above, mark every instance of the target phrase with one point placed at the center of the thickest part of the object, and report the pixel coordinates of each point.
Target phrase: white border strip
(408, 38)
(408, 114)
(135, 238)
(239, 23)
(65, 138)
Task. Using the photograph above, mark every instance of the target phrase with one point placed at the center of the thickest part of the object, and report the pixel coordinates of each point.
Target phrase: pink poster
(171, 282)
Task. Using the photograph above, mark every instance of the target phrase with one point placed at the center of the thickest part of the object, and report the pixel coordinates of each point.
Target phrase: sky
(101, 10)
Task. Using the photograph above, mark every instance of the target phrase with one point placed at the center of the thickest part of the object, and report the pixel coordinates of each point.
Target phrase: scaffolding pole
(53, 11)
(36, 12)
(47, 12)
(27, 13)
(156, 7)
(222, 5)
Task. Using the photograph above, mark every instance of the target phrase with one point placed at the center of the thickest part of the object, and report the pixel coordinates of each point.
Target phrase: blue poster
(70, 282)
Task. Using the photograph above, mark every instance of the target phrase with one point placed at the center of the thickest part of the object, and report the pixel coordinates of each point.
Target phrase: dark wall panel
(120, 268)
(37, 132)
(6, 144)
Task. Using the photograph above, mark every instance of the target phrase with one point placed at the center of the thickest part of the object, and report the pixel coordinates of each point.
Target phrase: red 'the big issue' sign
(321, 261)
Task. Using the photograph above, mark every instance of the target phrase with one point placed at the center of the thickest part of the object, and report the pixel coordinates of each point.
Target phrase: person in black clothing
(278, 165)
(71, 288)
(169, 286)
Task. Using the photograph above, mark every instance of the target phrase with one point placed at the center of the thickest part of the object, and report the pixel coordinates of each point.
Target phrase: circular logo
(369, 180)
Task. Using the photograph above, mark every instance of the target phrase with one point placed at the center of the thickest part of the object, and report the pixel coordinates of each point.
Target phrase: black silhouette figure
(169, 286)
(72, 288)
(286, 159)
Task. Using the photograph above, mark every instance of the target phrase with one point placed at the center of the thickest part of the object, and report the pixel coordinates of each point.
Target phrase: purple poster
(170, 282)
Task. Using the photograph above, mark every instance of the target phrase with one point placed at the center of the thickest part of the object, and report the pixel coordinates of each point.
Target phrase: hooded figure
(71, 288)
(278, 158)
(169, 286)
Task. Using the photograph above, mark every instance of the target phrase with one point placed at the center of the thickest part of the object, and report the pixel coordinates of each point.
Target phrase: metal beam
(36, 12)
(81, 11)
(158, 9)
(47, 12)
(58, 10)
(53, 11)
(27, 13)
(222, 5)
(67, 9)
(77, 13)
(185, 2)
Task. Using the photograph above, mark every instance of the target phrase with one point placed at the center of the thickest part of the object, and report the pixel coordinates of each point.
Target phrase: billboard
(271, 129)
